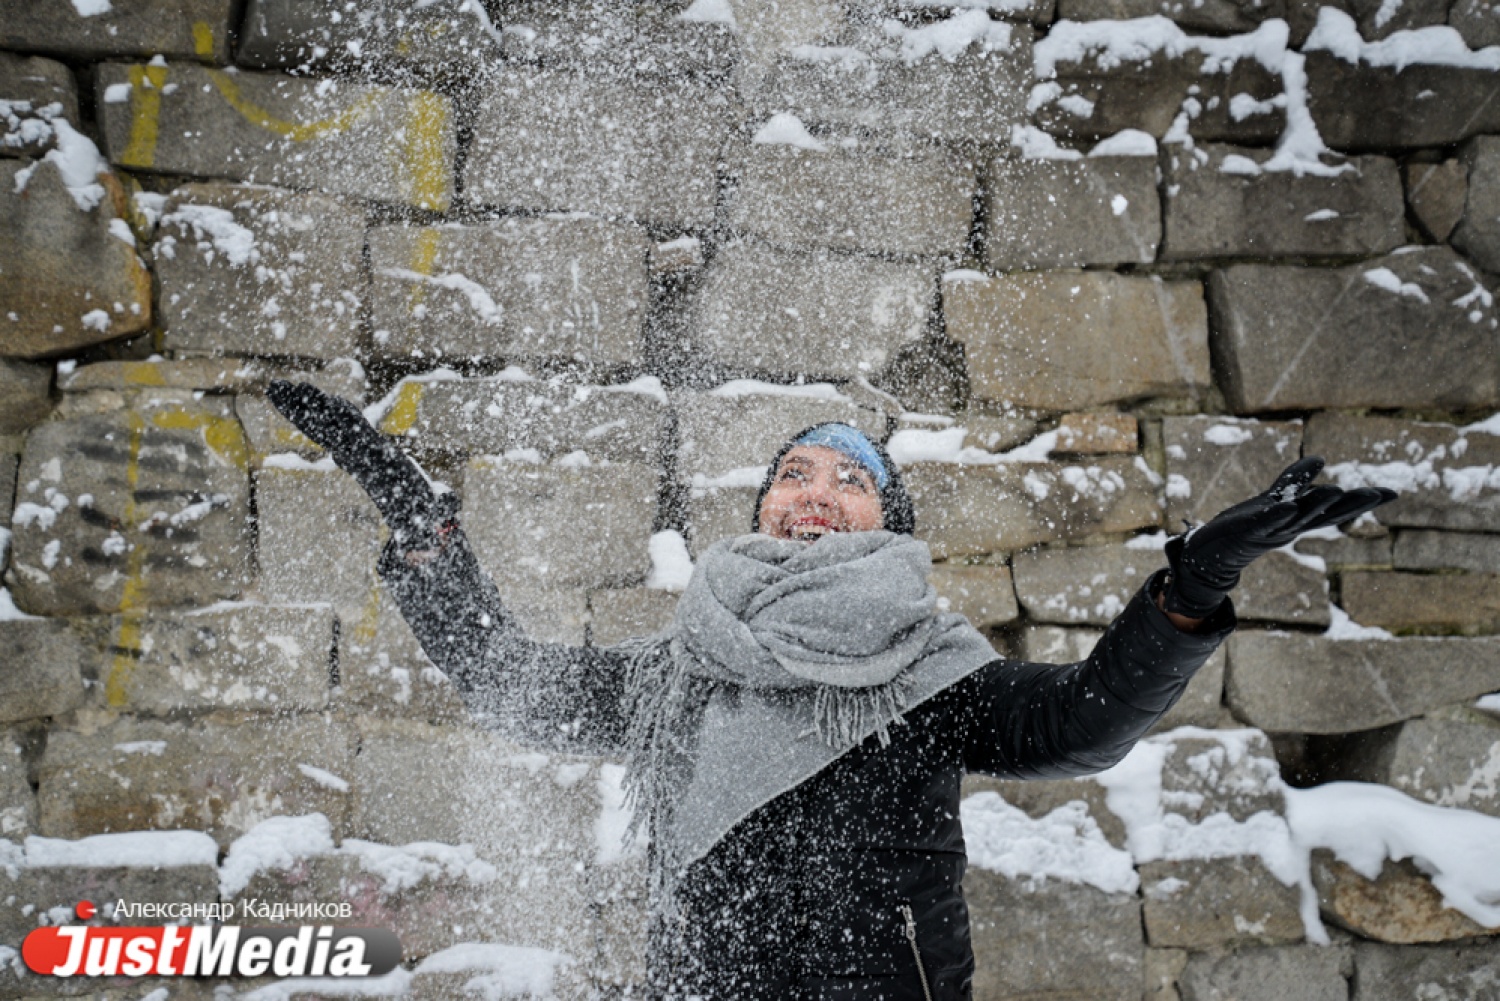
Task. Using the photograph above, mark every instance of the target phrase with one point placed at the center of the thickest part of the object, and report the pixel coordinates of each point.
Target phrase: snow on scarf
(782, 656)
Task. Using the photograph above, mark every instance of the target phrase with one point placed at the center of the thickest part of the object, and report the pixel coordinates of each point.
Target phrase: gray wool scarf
(782, 656)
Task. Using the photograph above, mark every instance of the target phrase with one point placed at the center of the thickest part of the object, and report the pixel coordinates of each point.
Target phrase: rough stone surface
(968, 510)
(618, 615)
(762, 423)
(1016, 929)
(1476, 21)
(1281, 588)
(887, 197)
(1444, 475)
(1098, 434)
(1436, 193)
(647, 149)
(1348, 553)
(17, 800)
(266, 431)
(221, 375)
(1218, 903)
(165, 520)
(1068, 213)
(35, 890)
(1450, 759)
(775, 311)
(25, 395)
(1309, 972)
(1420, 549)
(982, 593)
(1308, 684)
(1216, 16)
(1214, 463)
(125, 28)
(1037, 798)
(560, 526)
(319, 536)
(1277, 354)
(715, 513)
(1238, 776)
(1082, 585)
(62, 268)
(40, 671)
(1359, 107)
(1423, 603)
(1400, 905)
(1059, 341)
(1478, 231)
(575, 288)
(382, 669)
(640, 39)
(33, 92)
(1443, 973)
(218, 777)
(1211, 212)
(364, 140)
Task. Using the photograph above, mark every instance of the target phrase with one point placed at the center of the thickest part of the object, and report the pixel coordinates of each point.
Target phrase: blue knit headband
(848, 441)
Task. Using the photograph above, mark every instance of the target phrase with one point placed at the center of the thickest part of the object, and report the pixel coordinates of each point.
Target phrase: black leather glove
(417, 515)
(1206, 563)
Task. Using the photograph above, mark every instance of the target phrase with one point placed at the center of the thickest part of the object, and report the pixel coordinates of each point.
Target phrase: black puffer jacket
(810, 897)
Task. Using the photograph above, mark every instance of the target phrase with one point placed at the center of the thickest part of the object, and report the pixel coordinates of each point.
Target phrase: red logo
(85, 910)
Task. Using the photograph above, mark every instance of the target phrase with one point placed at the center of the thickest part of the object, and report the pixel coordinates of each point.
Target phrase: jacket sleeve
(547, 695)
(1046, 721)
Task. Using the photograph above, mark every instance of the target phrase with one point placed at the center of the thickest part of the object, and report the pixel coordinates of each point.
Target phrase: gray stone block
(1444, 973)
(633, 39)
(561, 526)
(1065, 340)
(1235, 774)
(260, 272)
(1419, 549)
(346, 138)
(404, 38)
(1357, 106)
(218, 777)
(17, 800)
(1441, 471)
(551, 615)
(982, 593)
(1436, 193)
(1349, 553)
(1068, 213)
(343, 376)
(318, 536)
(41, 671)
(1218, 903)
(1215, 16)
(618, 615)
(1083, 585)
(63, 269)
(969, 510)
(269, 433)
(1286, 683)
(36, 890)
(647, 149)
(1400, 905)
(1016, 929)
(1213, 212)
(1278, 354)
(195, 29)
(146, 507)
(1477, 21)
(761, 419)
(1281, 588)
(9, 461)
(1214, 463)
(25, 395)
(776, 311)
(1306, 972)
(885, 196)
(33, 91)
(1478, 231)
(1467, 603)
(716, 513)
(1448, 759)
(1039, 797)
(382, 669)
(570, 287)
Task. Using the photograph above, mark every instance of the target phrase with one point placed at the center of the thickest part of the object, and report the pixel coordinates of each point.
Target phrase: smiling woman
(815, 490)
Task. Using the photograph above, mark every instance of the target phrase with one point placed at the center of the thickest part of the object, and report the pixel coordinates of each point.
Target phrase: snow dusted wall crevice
(1093, 270)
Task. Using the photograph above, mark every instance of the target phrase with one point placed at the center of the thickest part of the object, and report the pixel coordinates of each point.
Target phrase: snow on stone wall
(1095, 270)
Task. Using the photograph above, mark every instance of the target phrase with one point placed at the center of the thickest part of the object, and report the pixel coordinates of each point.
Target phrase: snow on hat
(895, 503)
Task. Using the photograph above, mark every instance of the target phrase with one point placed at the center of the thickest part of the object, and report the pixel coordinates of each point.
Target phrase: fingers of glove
(1295, 478)
(1351, 505)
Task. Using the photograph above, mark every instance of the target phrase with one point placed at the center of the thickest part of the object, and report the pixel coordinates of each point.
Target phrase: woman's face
(817, 490)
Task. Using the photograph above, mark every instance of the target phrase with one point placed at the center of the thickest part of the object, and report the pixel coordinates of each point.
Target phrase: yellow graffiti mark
(222, 434)
(143, 373)
(423, 150)
(369, 619)
(146, 83)
(203, 39)
(127, 643)
(404, 413)
(295, 131)
(423, 260)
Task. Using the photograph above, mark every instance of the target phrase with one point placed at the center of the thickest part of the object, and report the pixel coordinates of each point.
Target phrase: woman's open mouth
(810, 527)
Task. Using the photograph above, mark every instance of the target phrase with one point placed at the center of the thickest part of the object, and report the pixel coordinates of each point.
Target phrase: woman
(796, 739)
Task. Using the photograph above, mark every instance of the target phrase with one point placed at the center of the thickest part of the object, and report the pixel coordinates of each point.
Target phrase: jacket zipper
(911, 938)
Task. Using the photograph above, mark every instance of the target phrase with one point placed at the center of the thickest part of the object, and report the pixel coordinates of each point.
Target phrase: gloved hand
(1206, 563)
(417, 515)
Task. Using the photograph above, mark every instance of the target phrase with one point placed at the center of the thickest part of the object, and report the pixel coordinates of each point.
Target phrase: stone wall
(591, 263)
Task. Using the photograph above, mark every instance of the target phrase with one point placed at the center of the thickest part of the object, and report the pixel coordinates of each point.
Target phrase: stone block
(1420, 549)
(343, 376)
(982, 593)
(1478, 231)
(1069, 213)
(884, 196)
(8, 463)
(618, 615)
(551, 615)
(611, 145)
(1467, 603)
(1039, 797)
(34, 891)
(1227, 206)
(1287, 683)
(1443, 474)
(1277, 354)
(68, 279)
(260, 272)
(195, 29)
(1450, 759)
(570, 287)
(719, 512)
(1064, 340)
(402, 38)
(1083, 585)
(561, 526)
(1218, 903)
(42, 669)
(1279, 587)
(1097, 434)
(25, 395)
(1476, 21)
(763, 418)
(776, 311)
(1016, 929)
(897, 80)
(1233, 772)
(1436, 193)
(17, 800)
(1214, 463)
(318, 536)
(647, 40)
(1448, 973)
(145, 507)
(343, 137)
(242, 657)
(382, 668)
(269, 433)
(1213, 16)
(33, 91)
(1308, 972)
(219, 777)
(1400, 905)
(968, 510)
(1347, 552)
